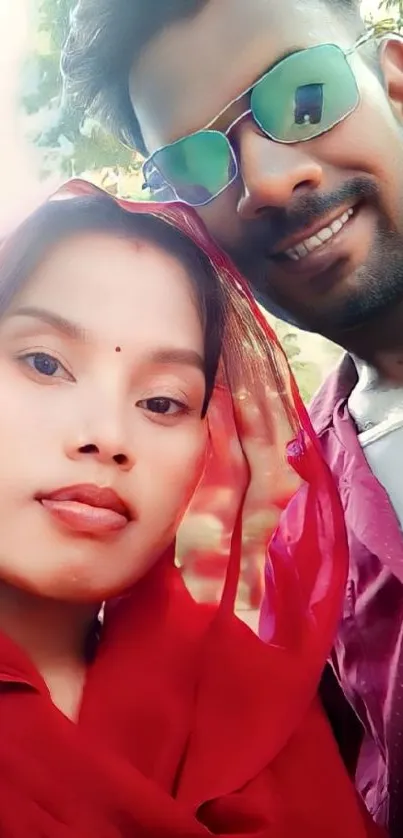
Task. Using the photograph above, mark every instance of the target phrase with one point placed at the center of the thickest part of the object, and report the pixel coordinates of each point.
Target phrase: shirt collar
(335, 390)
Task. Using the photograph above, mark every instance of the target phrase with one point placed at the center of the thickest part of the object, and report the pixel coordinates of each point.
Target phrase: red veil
(190, 725)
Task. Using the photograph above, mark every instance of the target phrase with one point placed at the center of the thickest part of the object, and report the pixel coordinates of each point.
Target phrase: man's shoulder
(336, 388)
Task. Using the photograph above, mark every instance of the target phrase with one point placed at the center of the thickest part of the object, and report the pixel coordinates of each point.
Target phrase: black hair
(57, 220)
(106, 37)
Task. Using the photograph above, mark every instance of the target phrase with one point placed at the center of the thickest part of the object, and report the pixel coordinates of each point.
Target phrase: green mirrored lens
(198, 166)
(305, 95)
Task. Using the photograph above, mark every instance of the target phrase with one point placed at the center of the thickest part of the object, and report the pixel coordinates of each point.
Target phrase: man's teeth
(308, 245)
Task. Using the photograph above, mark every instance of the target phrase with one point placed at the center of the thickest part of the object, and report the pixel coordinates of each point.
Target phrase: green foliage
(395, 7)
(305, 355)
(68, 146)
(389, 17)
(308, 377)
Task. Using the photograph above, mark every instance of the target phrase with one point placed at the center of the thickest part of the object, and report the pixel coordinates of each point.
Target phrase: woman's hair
(57, 220)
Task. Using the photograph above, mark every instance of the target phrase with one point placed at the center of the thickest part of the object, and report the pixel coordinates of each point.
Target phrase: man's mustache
(278, 224)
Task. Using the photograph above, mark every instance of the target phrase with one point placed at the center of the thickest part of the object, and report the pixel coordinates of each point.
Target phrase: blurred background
(40, 146)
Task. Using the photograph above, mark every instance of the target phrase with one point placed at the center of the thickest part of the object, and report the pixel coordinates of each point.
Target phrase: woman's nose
(107, 454)
(105, 436)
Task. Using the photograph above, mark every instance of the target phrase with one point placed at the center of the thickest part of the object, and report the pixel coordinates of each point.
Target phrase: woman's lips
(87, 509)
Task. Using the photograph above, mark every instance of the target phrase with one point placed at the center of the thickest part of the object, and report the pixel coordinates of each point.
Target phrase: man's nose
(272, 173)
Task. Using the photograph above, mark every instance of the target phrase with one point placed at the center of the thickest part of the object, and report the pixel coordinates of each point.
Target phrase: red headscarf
(189, 724)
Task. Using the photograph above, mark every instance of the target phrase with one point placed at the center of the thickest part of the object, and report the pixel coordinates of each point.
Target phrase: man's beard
(377, 287)
(377, 290)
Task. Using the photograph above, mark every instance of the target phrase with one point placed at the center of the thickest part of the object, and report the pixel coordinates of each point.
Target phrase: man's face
(287, 194)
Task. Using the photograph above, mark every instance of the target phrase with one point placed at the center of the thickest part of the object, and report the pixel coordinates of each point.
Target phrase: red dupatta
(189, 724)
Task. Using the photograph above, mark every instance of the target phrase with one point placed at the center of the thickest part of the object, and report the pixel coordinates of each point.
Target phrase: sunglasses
(303, 96)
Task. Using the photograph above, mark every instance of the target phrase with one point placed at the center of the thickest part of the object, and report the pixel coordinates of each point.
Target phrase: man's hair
(107, 37)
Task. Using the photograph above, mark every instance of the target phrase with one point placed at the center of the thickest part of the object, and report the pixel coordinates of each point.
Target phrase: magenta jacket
(368, 653)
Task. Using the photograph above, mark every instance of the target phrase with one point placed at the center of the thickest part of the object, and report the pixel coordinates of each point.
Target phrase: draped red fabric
(189, 724)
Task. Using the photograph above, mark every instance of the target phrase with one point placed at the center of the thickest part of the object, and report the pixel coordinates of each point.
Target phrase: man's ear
(391, 61)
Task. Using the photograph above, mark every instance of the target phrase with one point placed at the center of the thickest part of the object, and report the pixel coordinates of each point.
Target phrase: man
(300, 178)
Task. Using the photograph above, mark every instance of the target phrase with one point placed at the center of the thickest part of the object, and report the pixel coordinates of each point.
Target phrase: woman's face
(101, 437)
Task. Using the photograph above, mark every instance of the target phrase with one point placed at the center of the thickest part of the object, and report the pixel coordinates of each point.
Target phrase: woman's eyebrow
(177, 355)
(56, 321)
(161, 355)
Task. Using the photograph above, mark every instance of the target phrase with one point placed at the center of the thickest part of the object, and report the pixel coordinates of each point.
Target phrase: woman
(133, 366)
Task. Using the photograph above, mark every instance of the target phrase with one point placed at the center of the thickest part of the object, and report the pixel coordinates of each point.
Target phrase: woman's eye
(45, 365)
(163, 406)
